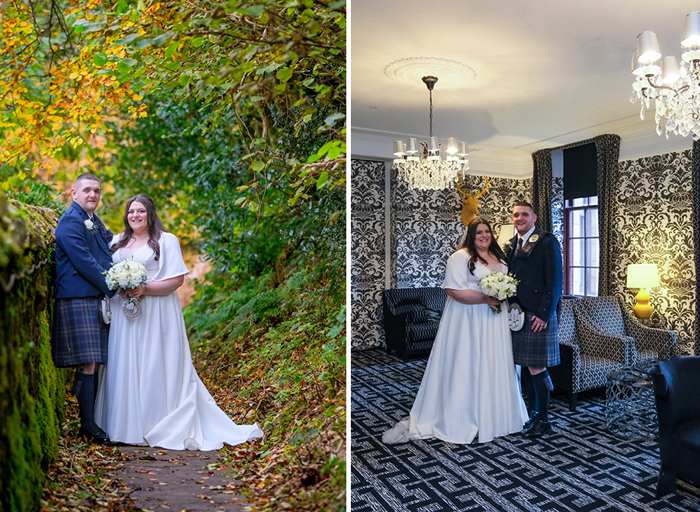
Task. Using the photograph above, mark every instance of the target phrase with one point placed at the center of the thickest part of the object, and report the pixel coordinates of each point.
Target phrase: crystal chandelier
(674, 89)
(427, 170)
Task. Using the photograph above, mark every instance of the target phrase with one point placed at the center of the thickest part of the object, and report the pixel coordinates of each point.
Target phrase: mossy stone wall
(32, 390)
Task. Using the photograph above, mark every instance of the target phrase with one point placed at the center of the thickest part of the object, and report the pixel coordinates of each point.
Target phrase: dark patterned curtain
(696, 237)
(542, 188)
(607, 153)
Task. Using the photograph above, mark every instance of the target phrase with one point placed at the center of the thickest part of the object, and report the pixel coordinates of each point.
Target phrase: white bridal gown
(149, 392)
(470, 384)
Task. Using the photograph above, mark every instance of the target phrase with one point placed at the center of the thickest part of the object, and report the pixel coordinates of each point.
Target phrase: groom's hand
(537, 324)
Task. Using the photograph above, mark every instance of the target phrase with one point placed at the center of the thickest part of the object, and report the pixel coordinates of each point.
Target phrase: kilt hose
(78, 335)
(536, 349)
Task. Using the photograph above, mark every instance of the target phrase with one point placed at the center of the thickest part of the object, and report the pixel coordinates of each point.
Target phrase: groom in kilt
(536, 262)
(79, 336)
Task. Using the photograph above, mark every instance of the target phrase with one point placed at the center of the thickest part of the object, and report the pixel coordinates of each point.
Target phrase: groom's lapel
(513, 263)
(99, 235)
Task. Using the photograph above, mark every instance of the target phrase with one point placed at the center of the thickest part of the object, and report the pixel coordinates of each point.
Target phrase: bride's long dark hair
(155, 226)
(470, 244)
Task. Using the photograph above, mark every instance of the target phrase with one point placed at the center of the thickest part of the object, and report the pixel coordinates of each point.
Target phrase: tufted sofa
(598, 335)
(411, 319)
(678, 408)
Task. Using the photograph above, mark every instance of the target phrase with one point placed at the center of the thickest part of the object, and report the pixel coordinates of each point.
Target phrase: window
(581, 246)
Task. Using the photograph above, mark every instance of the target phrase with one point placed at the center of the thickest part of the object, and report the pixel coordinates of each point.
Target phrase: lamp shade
(451, 146)
(648, 47)
(691, 38)
(642, 276)
(670, 72)
(412, 146)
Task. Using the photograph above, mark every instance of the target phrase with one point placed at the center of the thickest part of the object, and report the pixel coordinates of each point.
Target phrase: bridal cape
(470, 385)
(149, 392)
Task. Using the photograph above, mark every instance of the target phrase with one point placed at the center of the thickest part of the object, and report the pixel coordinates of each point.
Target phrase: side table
(630, 409)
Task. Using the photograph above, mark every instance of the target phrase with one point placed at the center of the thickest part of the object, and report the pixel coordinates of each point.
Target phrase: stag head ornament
(470, 202)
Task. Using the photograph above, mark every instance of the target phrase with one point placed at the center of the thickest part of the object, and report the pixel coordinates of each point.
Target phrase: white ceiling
(548, 72)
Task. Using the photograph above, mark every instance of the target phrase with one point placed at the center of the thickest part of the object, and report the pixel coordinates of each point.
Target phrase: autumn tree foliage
(69, 67)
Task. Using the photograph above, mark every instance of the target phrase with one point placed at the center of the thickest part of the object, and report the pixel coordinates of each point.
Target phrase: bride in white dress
(470, 385)
(149, 392)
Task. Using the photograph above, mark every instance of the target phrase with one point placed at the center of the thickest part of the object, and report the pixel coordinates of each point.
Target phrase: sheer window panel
(576, 254)
(592, 253)
(592, 282)
(576, 280)
(576, 224)
(592, 222)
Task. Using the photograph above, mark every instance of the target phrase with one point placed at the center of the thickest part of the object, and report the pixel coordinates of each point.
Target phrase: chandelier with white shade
(425, 169)
(675, 89)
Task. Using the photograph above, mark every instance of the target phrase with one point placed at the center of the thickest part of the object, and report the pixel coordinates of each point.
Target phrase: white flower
(89, 225)
(125, 275)
(499, 286)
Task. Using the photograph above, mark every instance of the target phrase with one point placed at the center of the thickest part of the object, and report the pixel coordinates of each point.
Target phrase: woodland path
(179, 480)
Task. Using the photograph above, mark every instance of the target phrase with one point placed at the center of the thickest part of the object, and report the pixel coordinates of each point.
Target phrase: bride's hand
(493, 303)
(136, 293)
(122, 294)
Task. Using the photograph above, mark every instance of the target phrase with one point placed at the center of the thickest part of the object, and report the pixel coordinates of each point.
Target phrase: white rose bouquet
(125, 275)
(499, 286)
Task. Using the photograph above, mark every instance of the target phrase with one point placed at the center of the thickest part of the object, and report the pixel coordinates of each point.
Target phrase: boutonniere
(507, 247)
(90, 226)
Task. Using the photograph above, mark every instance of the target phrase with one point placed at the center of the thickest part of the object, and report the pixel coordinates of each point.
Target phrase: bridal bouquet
(125, 275)
(499, 286)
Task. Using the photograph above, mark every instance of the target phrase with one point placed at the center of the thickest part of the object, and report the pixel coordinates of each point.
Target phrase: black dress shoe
(529, 422)
(538, 429)
(94, 434)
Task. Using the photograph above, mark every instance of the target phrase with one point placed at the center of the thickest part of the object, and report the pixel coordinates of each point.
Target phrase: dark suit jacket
(538, 267)
(81, 256)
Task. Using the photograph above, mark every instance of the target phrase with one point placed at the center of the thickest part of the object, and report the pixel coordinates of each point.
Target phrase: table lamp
(642, 276)
(505, 234)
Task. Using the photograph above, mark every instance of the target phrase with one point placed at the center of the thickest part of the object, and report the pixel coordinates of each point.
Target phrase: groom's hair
(86, 176)
(524, 203)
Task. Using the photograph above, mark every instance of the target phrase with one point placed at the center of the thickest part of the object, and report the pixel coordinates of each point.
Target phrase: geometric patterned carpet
(580, 467)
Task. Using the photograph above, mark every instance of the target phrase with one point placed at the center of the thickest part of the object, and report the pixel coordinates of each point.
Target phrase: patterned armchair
(587, 353)
(411, 319)
(609, 315)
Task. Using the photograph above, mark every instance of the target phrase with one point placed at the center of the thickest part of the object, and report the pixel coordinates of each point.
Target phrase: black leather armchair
(676, 385)
(411, 319)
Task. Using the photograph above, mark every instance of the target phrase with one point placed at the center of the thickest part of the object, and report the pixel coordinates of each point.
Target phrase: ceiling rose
(452, 73)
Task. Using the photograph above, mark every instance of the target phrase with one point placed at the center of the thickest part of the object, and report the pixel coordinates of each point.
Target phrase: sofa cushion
(407, 309)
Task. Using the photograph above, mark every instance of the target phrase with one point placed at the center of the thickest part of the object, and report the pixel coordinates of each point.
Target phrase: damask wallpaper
(426, 225)
(424, 230)
(367, 252)
(653, 224)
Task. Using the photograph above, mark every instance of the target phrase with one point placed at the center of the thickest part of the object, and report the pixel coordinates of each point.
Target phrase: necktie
(520, 245)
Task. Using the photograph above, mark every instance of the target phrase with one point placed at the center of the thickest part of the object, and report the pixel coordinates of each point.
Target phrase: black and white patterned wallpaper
(653, 224)
(427, 225)
(425, 228)
(368, 238)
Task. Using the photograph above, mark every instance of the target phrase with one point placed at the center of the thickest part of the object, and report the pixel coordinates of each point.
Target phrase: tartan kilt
(537, 349)
(78, 335)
